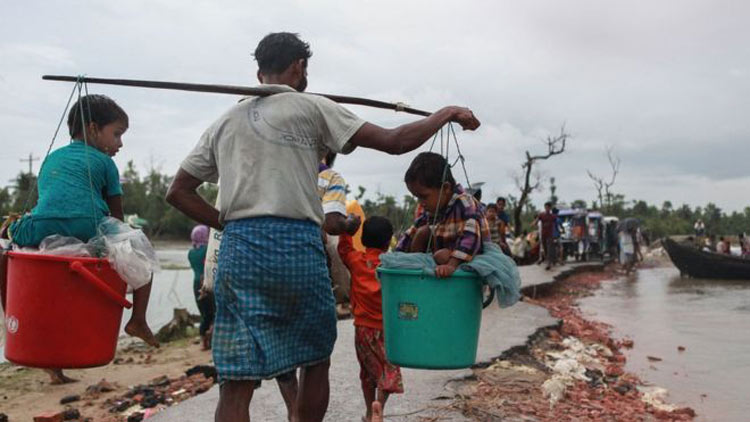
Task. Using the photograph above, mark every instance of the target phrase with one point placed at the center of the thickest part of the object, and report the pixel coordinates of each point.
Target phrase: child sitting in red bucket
(379, 378)
(79, 185)
(452, 225)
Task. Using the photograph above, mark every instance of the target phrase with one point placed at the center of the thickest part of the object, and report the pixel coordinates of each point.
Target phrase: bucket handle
(78, 267)
(486, 301)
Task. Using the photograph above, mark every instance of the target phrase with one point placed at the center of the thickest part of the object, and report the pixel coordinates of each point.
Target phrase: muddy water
(172, 288)
(709, 318)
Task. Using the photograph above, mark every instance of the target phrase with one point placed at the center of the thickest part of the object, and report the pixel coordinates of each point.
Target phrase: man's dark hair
(500, 198)
(429, 169)
(98, 109)
(548, 204)
(492, 206)
(278, 50)
(377, 233)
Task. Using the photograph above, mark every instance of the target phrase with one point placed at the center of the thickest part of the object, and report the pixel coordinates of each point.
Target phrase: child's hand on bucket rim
(445, 270)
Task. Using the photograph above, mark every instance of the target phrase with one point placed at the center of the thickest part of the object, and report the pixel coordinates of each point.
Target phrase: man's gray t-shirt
(265, 153)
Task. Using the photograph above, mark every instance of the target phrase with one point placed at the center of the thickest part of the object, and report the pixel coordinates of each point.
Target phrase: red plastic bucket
(62, 312)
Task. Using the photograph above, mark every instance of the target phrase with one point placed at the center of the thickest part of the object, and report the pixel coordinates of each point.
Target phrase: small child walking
(452, 224)
(379, 377)
(79, 185)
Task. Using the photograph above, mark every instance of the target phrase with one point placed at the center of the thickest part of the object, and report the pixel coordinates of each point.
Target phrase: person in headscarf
(204, 299)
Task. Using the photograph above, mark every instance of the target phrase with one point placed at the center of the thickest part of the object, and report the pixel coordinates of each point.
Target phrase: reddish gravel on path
(509, 394)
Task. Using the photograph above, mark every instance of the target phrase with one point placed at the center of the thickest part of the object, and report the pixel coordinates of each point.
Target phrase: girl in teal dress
(79, 185)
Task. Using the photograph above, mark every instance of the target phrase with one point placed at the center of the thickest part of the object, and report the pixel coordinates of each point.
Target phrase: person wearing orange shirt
(379, 377)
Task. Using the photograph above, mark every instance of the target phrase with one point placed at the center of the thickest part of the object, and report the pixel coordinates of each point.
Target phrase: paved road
(425, 393)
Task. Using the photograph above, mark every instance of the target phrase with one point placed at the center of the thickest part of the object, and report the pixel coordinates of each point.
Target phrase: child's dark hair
(330, 159)
(492, 206)
(94, 108)
(377, 233)
(278, 50)
(429, 169)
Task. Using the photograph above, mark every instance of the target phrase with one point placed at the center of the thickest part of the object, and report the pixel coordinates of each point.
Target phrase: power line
(30, 160)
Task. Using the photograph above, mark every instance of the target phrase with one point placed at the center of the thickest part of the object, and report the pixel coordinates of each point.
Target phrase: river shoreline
(572, 372)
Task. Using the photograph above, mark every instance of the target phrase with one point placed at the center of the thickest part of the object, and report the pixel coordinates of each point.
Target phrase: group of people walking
(272, 314)
(275, 310)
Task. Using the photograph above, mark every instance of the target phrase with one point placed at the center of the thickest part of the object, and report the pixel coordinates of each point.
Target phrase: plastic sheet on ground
(568, 366)
(494, 267)
(656, 397)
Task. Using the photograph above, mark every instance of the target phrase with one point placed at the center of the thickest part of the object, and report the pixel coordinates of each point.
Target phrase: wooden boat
(699, 264)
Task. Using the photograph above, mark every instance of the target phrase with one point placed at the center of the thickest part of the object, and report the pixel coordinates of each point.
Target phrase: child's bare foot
(140, 329)
(56, 377)
(377, 412)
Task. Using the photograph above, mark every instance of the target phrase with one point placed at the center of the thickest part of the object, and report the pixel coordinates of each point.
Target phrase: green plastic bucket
(431, 323)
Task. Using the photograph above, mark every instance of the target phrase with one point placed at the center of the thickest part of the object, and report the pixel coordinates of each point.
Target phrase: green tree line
(143, 194)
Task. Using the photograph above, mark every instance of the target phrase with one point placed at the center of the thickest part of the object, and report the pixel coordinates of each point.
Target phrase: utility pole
(30, 160)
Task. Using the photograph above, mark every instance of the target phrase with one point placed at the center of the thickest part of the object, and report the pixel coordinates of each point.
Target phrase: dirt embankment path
(26, 392)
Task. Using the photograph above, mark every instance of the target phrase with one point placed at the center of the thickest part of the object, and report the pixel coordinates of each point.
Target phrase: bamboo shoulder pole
(229, 89)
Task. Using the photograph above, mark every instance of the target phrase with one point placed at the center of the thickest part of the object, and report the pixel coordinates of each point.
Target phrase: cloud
(666, 86)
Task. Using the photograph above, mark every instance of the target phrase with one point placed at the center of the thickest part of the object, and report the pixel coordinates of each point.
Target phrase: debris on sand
(574, 372)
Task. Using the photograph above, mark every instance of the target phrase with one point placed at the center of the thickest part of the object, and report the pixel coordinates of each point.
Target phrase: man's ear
(92, 131)
(260, 77)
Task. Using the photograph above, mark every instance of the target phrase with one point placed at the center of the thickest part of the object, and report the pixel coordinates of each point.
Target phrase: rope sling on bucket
(64, 311)
(432, 323)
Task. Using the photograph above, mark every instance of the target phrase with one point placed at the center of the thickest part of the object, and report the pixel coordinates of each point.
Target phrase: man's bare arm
(336, 224)
(411, 136)
(183, 195)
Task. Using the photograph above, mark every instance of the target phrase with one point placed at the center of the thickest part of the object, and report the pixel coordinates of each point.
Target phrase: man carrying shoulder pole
(275, 310)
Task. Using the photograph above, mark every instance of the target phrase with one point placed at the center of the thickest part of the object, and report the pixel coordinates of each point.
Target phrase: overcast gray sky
(665, 83)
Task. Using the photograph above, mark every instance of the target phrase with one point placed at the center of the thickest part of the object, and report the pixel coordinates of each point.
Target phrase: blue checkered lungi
(275, 310)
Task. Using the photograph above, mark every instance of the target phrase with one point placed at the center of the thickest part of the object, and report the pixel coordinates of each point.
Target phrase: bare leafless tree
(555, 146)
(603, 187)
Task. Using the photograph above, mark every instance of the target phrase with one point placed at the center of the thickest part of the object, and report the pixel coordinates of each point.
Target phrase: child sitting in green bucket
(79, 186)
(452, 227)
(379, 377)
